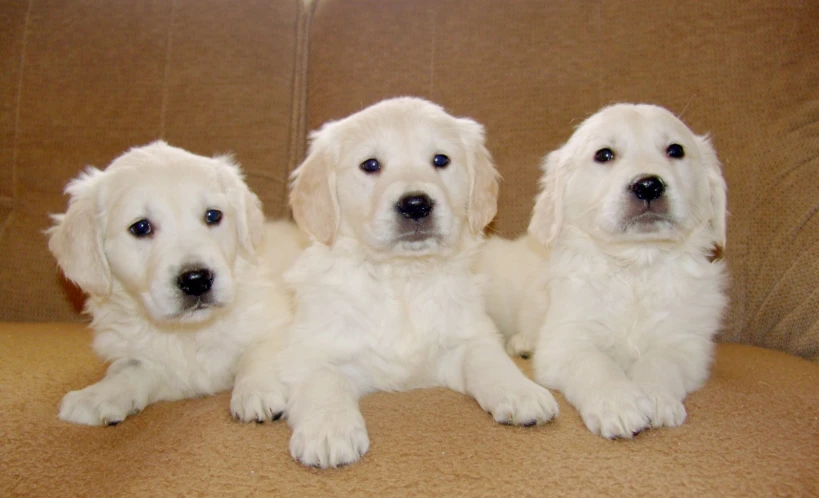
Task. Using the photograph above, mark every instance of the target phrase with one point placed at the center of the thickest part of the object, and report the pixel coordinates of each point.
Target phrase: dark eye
(440, 161)
(213, 216)
(604, 155)
(141, 228)
(370, 166)
(676, 151)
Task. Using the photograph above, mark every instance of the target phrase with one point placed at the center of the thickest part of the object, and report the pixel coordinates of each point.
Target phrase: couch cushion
(752, 430)
(744, 71)
(81, 82)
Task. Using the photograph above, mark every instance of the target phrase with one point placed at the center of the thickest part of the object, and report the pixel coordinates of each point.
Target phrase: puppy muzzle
(414, 217)
(195, 284)
(647, 206)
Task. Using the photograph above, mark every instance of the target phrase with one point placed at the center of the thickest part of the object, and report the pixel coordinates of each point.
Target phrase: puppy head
(632, 173)
(401, 176)
(161, 225)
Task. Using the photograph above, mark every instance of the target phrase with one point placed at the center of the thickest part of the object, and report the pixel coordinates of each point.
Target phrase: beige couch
(80, 82)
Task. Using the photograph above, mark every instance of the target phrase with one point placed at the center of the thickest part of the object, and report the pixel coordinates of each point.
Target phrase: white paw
(530, 404)
(97, 405)
(518, 345)
(330, 438)
(255, 402)
(618, 410)
(667, 412)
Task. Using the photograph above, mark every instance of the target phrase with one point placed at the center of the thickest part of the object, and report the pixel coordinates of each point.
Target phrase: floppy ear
(483, 191)
(547, 216)
(76, 238)
(313, 190)
(718, 190)
(246, 205)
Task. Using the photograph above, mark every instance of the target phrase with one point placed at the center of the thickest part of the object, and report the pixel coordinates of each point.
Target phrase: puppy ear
(716, 185)
(76, 239)
(246, 205)
(313, 196)
(483, 191)
(547, 216)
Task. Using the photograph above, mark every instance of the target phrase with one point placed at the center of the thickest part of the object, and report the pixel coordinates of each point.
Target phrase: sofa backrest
(82, 82)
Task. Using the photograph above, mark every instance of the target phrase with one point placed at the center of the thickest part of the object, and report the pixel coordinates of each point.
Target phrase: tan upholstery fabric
(751, 431)
(80, 82)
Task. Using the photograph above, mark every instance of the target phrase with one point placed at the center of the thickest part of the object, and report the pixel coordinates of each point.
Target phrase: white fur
(162, 344)
(620, 317)
(375, 312)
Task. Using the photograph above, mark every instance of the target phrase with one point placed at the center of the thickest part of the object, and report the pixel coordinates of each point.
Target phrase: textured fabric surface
(753, 430)
(80, 82)
(745, 72)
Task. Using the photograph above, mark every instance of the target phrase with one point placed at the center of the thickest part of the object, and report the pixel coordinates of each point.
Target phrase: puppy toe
(527, 406)
(298, 449)
(330, 440)
(618, 412)
(112, 413)
(256, 406)
(666, 411)
(94, 406)
(348, 450)
(330, 452)
(76, 410)
(518, 346)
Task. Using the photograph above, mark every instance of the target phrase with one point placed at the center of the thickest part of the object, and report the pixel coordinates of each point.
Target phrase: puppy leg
(609, 403)
(519, 345)
(129, 386)
(666, 374)
(328, 429)
(530, 317)
(258, 394)
(498, 385)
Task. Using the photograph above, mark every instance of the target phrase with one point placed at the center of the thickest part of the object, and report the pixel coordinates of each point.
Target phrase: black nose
(195, 282)
(415, 206)
(648, 188)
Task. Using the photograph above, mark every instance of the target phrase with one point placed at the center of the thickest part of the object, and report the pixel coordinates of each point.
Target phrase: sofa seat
(752, 430)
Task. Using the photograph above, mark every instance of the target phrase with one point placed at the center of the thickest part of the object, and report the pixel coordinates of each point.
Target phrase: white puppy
(616, 289)
(396, 198)
(165, 242)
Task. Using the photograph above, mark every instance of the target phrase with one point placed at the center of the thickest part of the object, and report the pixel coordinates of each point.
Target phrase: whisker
(592, 207)
(680, 115)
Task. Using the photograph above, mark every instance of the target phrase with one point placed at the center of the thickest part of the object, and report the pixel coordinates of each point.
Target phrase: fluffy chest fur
(386, 324)
(626, 306)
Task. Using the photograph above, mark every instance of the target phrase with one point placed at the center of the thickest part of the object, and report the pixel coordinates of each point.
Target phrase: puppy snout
(415, 205)
(195, 282)
(648, 188)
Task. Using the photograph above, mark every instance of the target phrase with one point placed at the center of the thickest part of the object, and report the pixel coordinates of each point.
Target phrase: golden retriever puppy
(396, 198)
(165, 243)
(615, 289)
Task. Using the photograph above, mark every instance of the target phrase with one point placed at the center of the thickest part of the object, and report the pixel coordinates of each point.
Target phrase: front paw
(527, 405)
(97, 405)
(518, 345)
(667, 411)
(330, 438)
(258, 402)
(619, 410)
